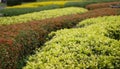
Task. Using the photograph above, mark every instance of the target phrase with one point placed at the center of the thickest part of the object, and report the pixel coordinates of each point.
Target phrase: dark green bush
(13, 2)
(29, 0)
(77, 4)
(19, 11)
(83, 3)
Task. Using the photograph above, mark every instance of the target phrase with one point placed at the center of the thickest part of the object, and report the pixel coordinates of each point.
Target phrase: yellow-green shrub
(89, 47)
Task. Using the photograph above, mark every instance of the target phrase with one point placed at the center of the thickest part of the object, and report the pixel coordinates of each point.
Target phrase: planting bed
(18, 40)
(41, 15)
(92, 44)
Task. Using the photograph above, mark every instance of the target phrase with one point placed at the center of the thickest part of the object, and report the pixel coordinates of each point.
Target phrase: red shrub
(101, 5)
(19, 40)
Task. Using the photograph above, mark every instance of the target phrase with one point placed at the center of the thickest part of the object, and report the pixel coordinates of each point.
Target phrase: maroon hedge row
(102, 5)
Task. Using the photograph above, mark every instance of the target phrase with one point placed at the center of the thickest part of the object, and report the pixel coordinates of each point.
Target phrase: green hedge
(29, 0)
(89, 47)
(41, 15)
(13, 2)
(19, 40)
(77, 4)
(19, 11)
(83, 3)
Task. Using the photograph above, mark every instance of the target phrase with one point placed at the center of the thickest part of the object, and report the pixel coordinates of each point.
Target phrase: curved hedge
(39, 4)
(41, 15)
(89, 47)
(62, 3)
(83, 3)
(19, 40)
(101, 5)
(20, 11)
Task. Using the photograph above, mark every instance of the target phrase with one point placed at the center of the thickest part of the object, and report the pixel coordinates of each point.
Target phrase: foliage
(41, 15)
(59, 0)
(78, 4)
(83, 3)
(13, 2)
(28, 0)
(38, 4)
(19, 11)
(101, 5)
(80, 48)
(62, 3)
(19, 40)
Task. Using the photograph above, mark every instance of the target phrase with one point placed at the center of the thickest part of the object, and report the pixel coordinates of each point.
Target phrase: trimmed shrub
(77, 4)
(39, 4)
(101, 5)
(13, 2)
(19, 11)
(41, 15)
(80, 48)
(83, 3)
(21, 37)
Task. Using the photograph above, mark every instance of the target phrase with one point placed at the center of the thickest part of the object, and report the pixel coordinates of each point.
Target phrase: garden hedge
(41, 15)
(101, 5)
(89, 47)
(86, 2)
(39, 4)
(20, 11)
(65, 3)
(19, 40)
(13, 2)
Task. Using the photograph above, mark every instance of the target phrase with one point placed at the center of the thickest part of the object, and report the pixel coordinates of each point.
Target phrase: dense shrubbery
(78, 4)
(41, 15)
(101, 5)
(19, 11)
(39, 4)
(60, 0)
(18, 40)
(81, 0)
(81, 48)
(31, 33)
(86, 2)
(13, 2)
(29, 0)
(65, 3)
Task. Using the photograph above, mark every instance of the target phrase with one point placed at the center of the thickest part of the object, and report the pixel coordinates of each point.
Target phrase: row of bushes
(79, 3)
(82, 0)
(18, 40)
(39, 4)
(81, 48)
(20, 11)
(16, 2)
(101, 5)
(41, 15)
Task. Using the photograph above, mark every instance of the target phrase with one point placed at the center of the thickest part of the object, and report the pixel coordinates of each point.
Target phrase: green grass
(90, 46)
(41, 15)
